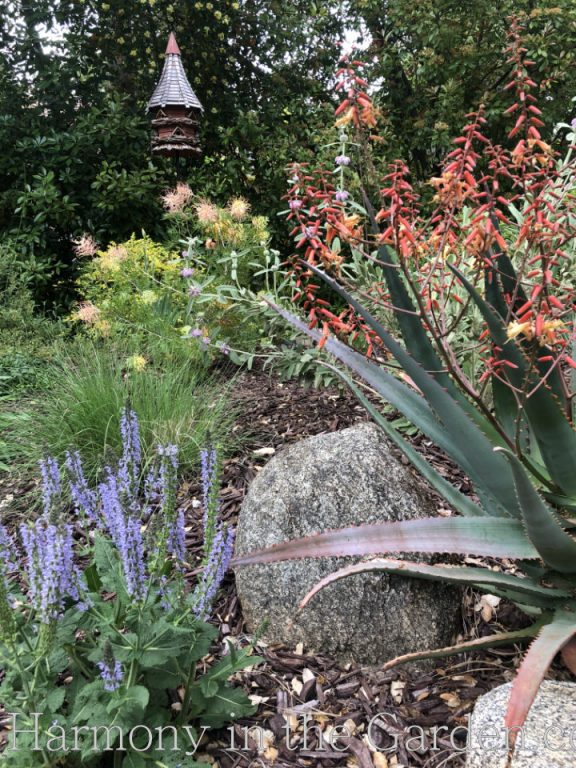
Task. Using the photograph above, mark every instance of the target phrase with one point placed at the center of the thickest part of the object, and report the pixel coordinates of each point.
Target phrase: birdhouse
(175, 109)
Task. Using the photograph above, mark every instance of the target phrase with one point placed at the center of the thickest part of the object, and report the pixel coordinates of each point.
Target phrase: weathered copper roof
(173, 88)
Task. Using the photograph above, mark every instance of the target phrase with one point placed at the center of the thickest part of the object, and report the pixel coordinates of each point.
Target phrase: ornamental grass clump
(100, 631)
(500, 234)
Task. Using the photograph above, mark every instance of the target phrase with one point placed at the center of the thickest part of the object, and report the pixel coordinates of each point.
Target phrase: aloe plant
(517, 446)
(513, 521)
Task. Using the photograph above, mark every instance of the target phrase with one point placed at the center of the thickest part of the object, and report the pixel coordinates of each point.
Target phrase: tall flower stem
(183, 717)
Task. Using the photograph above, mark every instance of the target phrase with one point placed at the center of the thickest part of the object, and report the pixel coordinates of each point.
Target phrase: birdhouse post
(175, 109)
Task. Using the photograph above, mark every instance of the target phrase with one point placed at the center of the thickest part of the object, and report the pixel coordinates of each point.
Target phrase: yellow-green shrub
(135, 284)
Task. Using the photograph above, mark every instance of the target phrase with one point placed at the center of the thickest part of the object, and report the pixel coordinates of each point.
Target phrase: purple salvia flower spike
(85, 500)
(208, 470)
(51, 485)
(110, 670)
(214, 572)
(50, 570)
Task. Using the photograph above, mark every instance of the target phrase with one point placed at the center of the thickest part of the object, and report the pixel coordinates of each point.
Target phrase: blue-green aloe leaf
(461, 503)
(551, 639)
(500, 584)
(413, 332)
(407, 401)
(555, 546)
(555, 436)
(486, 537)
(470, 443)
(491, 641)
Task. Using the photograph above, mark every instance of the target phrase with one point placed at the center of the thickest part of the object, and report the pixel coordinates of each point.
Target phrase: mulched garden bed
(293, 683)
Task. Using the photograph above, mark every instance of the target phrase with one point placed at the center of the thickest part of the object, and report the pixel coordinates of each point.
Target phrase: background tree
(75, 76)
(436, 60)
(74, 135)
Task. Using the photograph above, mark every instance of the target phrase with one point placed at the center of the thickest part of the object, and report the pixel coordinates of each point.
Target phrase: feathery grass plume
(206, 212)
(85, 246)
(136, 363)
(175, 200)
(87, 312)
(238, 208)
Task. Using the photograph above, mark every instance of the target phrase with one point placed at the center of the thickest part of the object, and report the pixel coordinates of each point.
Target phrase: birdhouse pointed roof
(173, 88)
(172, 46)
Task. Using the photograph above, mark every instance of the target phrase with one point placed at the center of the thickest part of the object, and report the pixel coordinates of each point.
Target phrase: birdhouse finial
(172, 46)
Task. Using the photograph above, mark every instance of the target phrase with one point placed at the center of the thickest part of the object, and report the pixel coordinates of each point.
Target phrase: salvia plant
(499, 237)
(100, 633)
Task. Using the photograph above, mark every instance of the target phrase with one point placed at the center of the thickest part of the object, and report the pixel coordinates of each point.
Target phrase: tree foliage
(75, 76)
(436, 60)
(75, 138)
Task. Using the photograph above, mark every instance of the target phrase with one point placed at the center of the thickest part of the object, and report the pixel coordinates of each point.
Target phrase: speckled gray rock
(322, 483)
(547, 740)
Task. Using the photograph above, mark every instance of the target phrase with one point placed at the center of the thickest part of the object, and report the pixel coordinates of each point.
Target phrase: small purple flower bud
(196, 333)
(295, 204)
(186, 272)
(341, 196)
(194, 290)
(224, 348)
(342, 160)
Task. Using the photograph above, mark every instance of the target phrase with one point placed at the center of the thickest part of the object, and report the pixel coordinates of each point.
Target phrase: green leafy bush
(143, 289)
(102, 649)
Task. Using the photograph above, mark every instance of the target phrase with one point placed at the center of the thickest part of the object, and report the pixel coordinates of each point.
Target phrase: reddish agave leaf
(488, 537)
(552, 638)
(569, 655)
(491, 641)
(448, 573)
